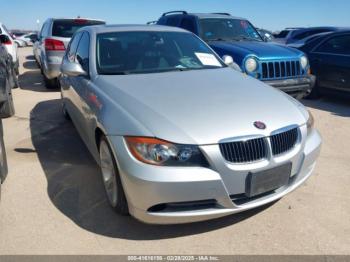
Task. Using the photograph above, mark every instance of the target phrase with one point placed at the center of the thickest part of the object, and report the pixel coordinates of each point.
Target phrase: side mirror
(72, 68)
(4, 39)
(228, 60)
(267, 37)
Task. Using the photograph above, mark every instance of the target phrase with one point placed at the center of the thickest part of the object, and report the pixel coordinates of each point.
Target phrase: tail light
(54, 45)
(8, 42)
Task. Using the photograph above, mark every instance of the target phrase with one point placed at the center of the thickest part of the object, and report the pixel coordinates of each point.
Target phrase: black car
(6, 101)
(298, 34)
(329, 56)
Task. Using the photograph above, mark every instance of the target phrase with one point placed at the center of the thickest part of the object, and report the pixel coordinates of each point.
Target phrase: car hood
(263, 50)
(200, 107)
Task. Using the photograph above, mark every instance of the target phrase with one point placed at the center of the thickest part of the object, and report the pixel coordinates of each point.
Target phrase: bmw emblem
(259, 125)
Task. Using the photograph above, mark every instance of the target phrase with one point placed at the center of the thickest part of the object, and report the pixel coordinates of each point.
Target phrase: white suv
(11, 47)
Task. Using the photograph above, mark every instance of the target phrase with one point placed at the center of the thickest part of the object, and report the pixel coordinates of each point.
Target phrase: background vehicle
(279, 66)
(265, 34)
(53, 39)
(299, 44)
(11, 47)
(5, 40)
(29, 39)
(330, 61)
(19, 42)
(282, 36)
(299, 34)
(6, 102)
(164, 84)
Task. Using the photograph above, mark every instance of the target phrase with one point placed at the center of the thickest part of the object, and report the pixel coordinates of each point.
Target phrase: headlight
(310, 123)
(162, 153)
(251, 65)
(304, 62)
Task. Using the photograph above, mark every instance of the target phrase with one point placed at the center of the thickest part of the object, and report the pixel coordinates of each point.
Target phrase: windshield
(152, 52)
(282, 34)
(228, 29)
(67, 27)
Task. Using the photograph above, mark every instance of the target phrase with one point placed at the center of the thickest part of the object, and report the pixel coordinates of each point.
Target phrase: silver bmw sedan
(179, 135)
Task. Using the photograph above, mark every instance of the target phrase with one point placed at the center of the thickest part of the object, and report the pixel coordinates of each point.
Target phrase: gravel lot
(53, 200)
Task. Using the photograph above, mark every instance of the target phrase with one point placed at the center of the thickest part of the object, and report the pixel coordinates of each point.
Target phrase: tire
(7, 108)
(50, 83)
(3, 157)
(16, 68)
(37, 63)
(65, 113)
(15, 78)
(111, 179)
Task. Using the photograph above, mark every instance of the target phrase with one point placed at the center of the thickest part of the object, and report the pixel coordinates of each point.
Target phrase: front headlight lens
(304, 62)
(310, 123)
(251, 65)
(163, 153)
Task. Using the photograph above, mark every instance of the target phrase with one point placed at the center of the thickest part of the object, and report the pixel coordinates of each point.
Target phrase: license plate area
(268, 180)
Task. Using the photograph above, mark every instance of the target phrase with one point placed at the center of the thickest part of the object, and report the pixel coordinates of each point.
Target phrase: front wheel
(3, 159)
(111, 179)
(7, 108)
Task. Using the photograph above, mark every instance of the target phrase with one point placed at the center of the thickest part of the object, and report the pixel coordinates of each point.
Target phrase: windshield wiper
(243, 37)
(217, 39)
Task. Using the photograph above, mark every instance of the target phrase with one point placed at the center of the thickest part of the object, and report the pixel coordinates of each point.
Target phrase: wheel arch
(99, 133)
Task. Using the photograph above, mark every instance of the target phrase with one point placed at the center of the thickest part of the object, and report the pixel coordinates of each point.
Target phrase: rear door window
(67, 27)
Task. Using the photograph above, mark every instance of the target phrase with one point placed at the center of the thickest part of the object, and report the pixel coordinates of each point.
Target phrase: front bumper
(211, 190)
(294, 86)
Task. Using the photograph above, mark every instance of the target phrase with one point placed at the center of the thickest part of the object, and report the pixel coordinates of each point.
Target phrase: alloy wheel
(108, 173)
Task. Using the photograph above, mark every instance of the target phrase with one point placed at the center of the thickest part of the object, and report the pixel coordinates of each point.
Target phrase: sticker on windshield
(208, 59)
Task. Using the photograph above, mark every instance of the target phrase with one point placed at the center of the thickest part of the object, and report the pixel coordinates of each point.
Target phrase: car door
(67, 91)
(79, 86)
(331, 62)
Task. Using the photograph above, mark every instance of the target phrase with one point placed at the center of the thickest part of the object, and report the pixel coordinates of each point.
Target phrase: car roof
(126, 27)
(217, 15)
(333, 28)
(201, 15)
(338, 32)
(75, 18)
